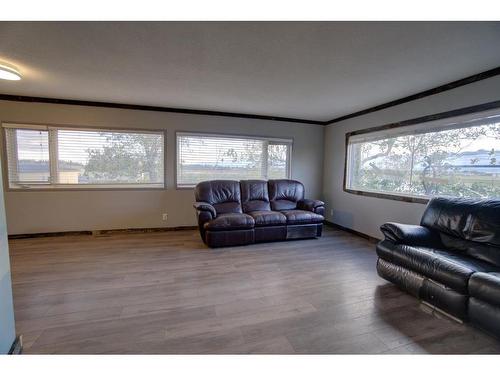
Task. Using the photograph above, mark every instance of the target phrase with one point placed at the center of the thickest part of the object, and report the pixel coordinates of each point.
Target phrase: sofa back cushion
(224, 195)
(254, 196)
(471, 226)
(284, 194)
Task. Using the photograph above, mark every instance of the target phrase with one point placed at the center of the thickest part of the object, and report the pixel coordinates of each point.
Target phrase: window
(56, 157)
(202, 157)
(456, 156)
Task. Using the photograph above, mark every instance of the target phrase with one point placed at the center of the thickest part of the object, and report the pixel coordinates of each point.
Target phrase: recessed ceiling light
(9, 73)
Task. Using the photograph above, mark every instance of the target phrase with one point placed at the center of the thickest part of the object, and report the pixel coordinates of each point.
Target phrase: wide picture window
(202, 157)
(457, 156)
(57, 157)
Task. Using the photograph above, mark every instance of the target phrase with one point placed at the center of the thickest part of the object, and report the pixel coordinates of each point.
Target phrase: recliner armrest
(204, 206)
(310, 204)
(413, 235)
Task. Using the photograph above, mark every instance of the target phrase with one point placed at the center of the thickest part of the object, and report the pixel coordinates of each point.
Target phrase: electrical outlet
(164, 217)
(331, 211)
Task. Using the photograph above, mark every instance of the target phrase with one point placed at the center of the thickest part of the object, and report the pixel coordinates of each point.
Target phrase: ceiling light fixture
(8, 72)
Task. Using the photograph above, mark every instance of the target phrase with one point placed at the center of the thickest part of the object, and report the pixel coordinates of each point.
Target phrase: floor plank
(168, 293)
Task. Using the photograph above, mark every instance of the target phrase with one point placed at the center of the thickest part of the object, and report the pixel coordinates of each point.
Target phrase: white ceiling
(308, 70)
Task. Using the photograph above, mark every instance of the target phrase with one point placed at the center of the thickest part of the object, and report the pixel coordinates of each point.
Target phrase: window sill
(395, 197)
(83, 188)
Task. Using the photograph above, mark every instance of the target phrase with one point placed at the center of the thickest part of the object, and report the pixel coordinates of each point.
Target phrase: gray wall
(54, 211)
(49, 211)
(366, 214)
(7, 328)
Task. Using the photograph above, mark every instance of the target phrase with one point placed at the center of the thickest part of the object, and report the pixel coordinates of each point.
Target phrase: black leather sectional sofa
(451, 260)
(243, 212)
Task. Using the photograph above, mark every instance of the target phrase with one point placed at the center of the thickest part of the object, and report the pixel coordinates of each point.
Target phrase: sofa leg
(441, 312)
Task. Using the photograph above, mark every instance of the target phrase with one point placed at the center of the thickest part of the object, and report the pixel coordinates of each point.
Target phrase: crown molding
(139, 107)
(436, 90)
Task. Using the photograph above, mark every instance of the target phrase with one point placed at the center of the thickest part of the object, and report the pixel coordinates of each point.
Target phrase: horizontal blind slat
(208, 157)
(84, 157)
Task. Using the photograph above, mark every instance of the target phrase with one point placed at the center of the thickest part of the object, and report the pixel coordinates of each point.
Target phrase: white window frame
(269, 140)
(456, 119)
(53, 159)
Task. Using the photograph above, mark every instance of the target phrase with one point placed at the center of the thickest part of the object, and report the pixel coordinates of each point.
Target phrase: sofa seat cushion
(302, 217)
(444, 266)
(230, 221)
(268, 218)
(486, 287)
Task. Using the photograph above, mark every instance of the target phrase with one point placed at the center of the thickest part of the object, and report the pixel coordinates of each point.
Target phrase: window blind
(72, 157)
(457, 156)
(28, 156)
(458, 122)
(203, 157)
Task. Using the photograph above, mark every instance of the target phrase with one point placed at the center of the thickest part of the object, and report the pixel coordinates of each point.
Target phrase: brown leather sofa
(234, 213)
(451, 260)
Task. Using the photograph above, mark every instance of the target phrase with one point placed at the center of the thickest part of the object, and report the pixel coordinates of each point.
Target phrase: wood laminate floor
(168, 293)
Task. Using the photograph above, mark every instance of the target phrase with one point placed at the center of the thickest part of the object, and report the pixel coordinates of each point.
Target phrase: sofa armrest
(310, 204)
(207, 207)
(412, 235)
